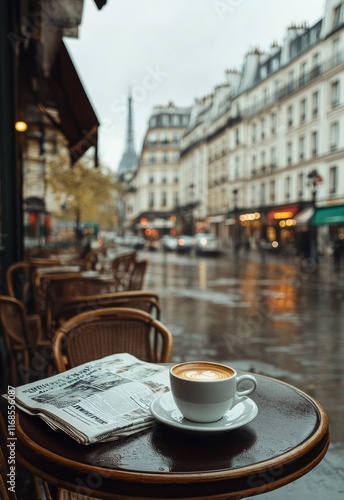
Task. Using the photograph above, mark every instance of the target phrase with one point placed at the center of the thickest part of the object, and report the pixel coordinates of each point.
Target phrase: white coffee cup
(205, 391)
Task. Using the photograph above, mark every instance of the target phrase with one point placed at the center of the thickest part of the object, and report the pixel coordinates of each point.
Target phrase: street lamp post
(236, 229)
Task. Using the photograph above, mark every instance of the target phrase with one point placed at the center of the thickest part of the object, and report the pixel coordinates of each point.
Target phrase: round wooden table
(287, 439)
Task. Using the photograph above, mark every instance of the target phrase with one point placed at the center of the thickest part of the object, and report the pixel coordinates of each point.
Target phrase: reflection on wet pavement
(274, 318)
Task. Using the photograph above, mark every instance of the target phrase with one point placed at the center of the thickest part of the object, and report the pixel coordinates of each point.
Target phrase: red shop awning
(282, 213)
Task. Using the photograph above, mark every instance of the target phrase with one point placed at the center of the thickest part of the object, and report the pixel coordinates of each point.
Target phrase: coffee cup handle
(241, 395)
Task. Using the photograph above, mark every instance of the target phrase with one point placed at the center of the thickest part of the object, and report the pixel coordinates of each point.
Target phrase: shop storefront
(280, 226)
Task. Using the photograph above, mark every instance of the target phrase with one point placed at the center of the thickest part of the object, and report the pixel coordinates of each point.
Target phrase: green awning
(329, 215)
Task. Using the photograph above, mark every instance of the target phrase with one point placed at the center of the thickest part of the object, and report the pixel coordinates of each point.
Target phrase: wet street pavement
(270, 316)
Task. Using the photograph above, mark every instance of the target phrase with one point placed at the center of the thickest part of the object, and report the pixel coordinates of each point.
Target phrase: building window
(254, 132)
(237, 137)
(291, 80)
(254, 165)
(262, 194)
(303, 77)
(338, 17)
(253, 195)
(176, 157)
(336, 51)
(176, 139)
(176, 177)
(262, 128)
(314, 144)
(273, 158)
(303, 106)
(287, 187)
(176, 120)
(290, 116)
(334, 136)
(185, 120)
(152, 158)
(164, 138)
(151, 178)
(236, 167)
(272, 191)
(316, 64)
(153, 122)
(273, 123)
(163, 199)
(175, 198)
(335, 94)
(151, 199)
(152, 140)
(300, 185)
(289, 153)
(315, 103)
(164, 178)
(165, 157)
(165, 120)
(333, 180)
(301, 148)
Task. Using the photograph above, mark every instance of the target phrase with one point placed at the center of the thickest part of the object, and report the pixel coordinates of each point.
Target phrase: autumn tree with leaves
(86, 193)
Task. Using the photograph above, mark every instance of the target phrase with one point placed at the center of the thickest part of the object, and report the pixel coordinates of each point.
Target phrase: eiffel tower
(129, 159)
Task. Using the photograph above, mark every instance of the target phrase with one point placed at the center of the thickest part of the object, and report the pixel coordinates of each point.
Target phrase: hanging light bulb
(20, 126)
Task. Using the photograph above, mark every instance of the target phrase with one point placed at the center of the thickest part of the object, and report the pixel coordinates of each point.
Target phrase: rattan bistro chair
(137, 275)
(65, 309)
(30, 356)
(19, 283)
(95, 334)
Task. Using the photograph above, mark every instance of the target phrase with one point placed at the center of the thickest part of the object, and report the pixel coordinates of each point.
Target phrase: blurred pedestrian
(337, 252)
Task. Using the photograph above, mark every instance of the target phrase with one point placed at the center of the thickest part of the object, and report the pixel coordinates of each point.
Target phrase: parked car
(207, 244)
(169, 243)
(185, 244)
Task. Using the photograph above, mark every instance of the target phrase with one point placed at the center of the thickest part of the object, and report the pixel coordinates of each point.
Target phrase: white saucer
(164, 409)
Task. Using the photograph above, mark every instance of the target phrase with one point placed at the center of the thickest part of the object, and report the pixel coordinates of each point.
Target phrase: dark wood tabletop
(287, 439)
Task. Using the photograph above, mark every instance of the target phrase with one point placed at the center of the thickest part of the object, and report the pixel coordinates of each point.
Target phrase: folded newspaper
(101, 400)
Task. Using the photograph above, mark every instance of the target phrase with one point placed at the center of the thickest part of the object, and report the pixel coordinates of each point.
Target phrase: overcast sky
(169, 50)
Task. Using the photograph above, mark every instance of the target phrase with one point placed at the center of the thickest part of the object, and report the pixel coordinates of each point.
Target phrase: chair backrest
(19, 283)
(41, 283)
(70, 288)
(94, 259)
(94, 334)
(145, 300)
(137, 275)
(122, 266)
(15, 333)
(5, 491)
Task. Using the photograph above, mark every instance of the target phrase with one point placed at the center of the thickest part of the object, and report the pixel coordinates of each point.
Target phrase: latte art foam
(206, 372)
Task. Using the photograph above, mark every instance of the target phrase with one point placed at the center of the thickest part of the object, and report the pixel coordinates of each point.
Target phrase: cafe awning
(303, 218)
(77, 119)
(329, 215)
(282, 213)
